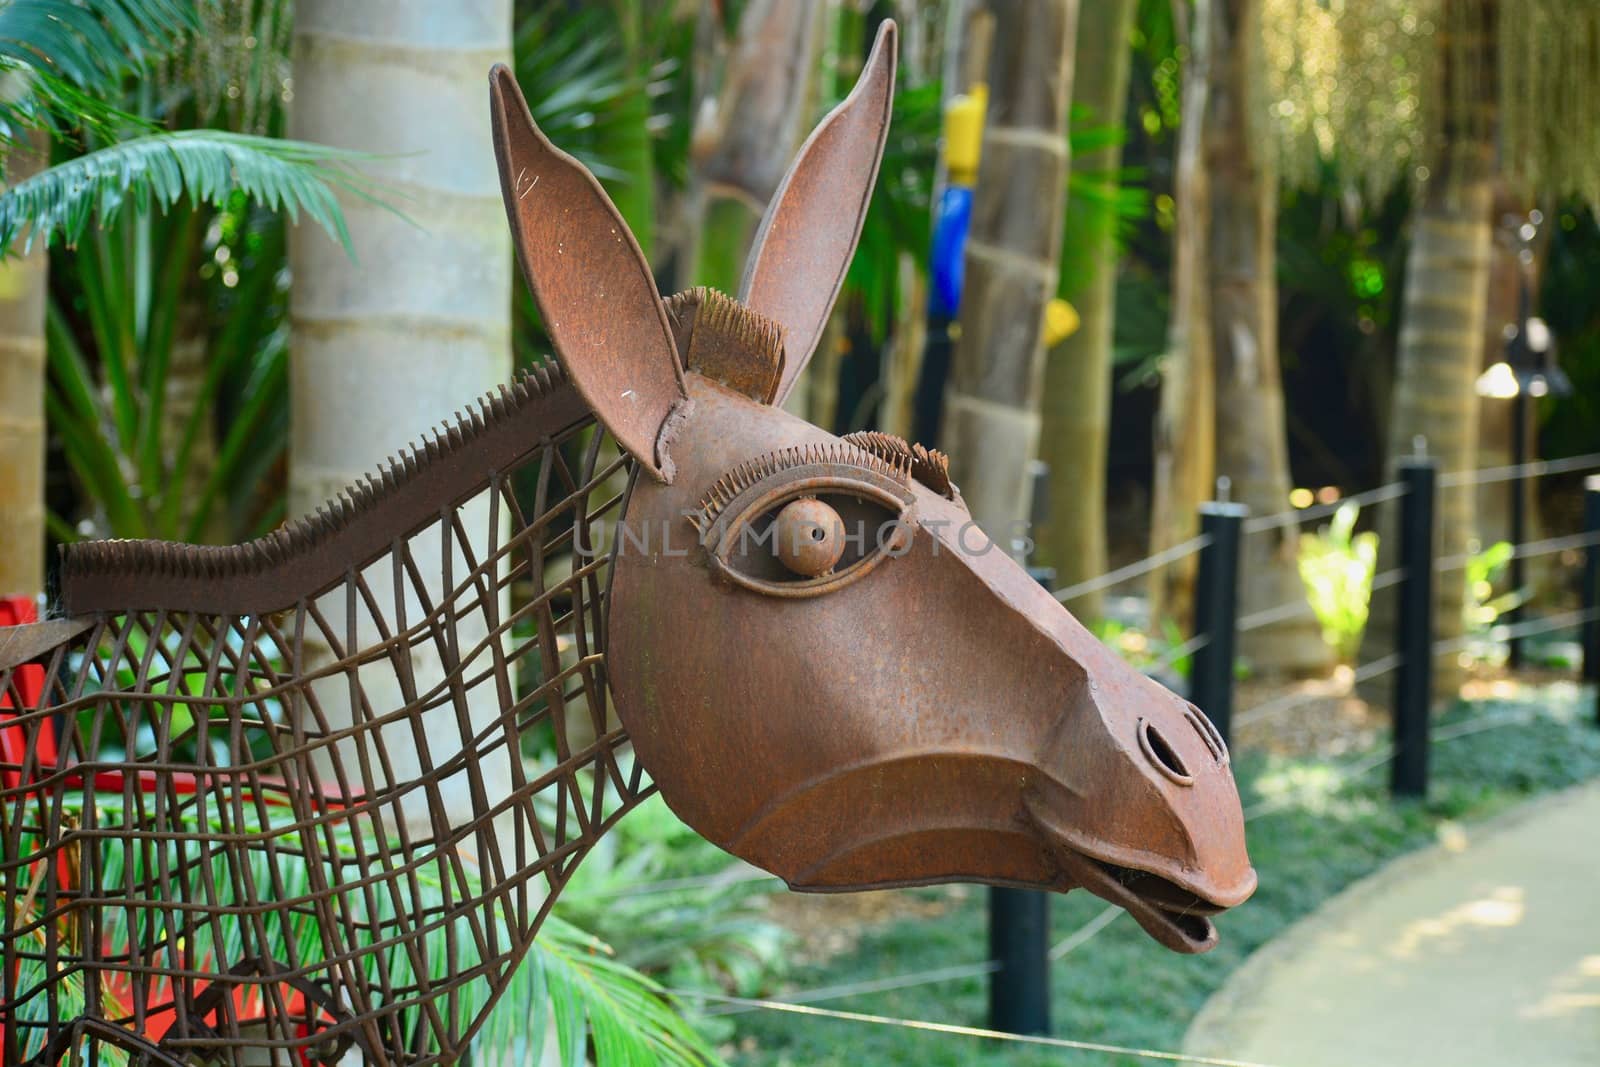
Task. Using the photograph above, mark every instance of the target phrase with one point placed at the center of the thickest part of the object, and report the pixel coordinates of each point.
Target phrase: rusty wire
(271, 828)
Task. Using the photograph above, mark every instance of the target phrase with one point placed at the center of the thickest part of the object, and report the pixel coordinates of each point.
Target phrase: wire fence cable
(1376, 495)
(1135, 570)
(1526, 550)
(967, 1031)
(1536, 469)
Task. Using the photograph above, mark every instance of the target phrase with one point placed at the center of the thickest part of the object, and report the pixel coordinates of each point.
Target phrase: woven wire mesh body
(331, 829)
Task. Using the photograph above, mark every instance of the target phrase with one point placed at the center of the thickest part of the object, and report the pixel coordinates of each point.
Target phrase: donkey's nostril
(1161, 753)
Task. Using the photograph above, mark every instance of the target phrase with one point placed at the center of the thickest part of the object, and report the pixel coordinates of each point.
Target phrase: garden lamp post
(1527, 372)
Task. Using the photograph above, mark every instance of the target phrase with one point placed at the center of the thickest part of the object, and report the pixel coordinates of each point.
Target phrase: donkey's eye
(806, 521)
(809, 537)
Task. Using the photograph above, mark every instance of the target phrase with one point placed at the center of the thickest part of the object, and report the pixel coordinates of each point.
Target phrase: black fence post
(1413, 686)
(1519, 527)
(1216, 613)
(1019, 919)
(1019, 943)
(1591, 587)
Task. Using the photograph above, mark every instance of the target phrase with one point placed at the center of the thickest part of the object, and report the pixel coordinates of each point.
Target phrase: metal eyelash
(928, 465)
(755, 471)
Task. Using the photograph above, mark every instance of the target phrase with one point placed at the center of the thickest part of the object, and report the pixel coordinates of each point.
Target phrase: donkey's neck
(397, 706)
(440, 621)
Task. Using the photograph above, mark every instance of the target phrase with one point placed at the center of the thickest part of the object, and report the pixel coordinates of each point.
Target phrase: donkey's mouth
(1177, 915)
(1172, 915)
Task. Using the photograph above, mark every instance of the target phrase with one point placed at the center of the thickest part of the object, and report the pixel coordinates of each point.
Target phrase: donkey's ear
(592, 284)
(811, 227)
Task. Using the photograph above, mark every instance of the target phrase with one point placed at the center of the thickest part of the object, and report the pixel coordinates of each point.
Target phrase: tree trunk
(1077, 377)
(387, 346)
(996, 377)
(1252, 441)
(1440, 348)
(902, 356)
(1185, 441)
(1496, 418)
(22, 430)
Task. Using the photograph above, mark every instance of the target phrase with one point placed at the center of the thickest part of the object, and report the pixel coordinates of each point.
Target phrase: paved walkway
(1484, 950)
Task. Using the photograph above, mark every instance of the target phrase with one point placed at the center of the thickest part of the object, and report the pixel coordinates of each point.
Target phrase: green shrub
(1481, 606)
(1337, 565)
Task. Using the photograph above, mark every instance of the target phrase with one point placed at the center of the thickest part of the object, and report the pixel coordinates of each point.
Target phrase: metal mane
(306, 555)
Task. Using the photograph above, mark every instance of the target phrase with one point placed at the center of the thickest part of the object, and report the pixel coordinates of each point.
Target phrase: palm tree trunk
(419, 324)
(1440, 348)
(1252, 442)
(22, 431)
(996, 378)
(1185, 439)
(1077, 377)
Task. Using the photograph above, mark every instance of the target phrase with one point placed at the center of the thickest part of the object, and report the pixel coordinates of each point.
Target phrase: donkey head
(823, 664)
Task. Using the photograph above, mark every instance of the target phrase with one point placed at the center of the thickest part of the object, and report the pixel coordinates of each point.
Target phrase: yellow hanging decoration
(1060, 322)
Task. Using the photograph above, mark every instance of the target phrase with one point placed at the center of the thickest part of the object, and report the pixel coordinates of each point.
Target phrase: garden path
(1482, 950)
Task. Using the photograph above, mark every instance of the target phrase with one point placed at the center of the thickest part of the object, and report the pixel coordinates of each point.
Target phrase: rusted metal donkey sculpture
(817, 660)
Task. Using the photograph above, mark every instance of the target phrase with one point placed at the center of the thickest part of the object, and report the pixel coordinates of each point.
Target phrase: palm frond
(713, 933)
(596, 1004)
(1103, 203)
(70, 58)
(205, 165)
(572, 67)
(91, 42)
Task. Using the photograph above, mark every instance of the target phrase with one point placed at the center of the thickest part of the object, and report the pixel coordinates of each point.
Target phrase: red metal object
(913, 709)
(28, 687)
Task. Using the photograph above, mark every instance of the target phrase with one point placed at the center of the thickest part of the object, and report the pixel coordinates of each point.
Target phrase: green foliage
(1157, 49)
(593, 78)
(899, 216)
(69, 57)
(1341, 279)
(699, 926)
(185, 721)
(1143, 650)
(1482, 606)
(1103, 205)
(157, 170)
(143, 469)
(1337, 565)
(92, 42)
(574, 69)
(671, 904)
(600, 1008)
(1139, 346)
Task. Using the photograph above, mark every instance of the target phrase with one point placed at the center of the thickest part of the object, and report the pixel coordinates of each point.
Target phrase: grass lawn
(1316, 832)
